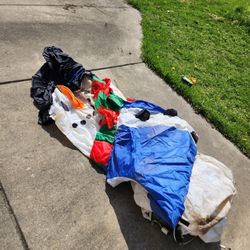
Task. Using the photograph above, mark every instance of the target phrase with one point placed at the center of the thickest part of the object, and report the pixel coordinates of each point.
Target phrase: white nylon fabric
(208, 200)
(211, 190)
(140, 196)
(83, 135)
(127, 118)
(214, 234)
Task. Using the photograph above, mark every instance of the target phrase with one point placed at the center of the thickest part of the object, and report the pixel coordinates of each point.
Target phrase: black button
(83, 122)
(74, 125)
(143, 115)
(88, 116)
(170, 112)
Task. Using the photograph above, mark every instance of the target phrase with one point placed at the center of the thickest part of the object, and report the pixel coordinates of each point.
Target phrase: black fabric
(184, 222)
(143, 115)
(58, 69)
(44, 118)
(64, 69)
(170, 112)
(177, 232)
(158, 220)
(42, 87)
(195, 136)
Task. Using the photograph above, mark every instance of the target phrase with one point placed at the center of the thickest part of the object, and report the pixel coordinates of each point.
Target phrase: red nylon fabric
(101, 151)
(130, 99)
(99, 86)
(110, 117)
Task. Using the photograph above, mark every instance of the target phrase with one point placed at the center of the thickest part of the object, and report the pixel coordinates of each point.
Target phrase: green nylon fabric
(106, 134)
(115, 102)
(101, 100)
(112, 102)
(96, 78)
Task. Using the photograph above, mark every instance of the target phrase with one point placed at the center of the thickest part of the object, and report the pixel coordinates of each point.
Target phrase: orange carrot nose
(75, 102)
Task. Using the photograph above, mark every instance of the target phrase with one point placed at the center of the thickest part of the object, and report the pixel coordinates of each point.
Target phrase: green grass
(209, 40)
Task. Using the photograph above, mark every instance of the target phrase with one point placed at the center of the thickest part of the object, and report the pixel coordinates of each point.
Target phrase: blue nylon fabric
(76, 74)
(160, 158)
(152, 108)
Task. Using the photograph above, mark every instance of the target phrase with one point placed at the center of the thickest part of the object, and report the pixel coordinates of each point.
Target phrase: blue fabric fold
(151, 107)
(160, 158)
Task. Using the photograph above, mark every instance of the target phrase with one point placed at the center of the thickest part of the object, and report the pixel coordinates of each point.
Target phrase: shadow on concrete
(138, 232)
(54, 132)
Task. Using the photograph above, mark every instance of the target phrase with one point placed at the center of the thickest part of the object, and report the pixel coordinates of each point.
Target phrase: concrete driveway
(51, 197)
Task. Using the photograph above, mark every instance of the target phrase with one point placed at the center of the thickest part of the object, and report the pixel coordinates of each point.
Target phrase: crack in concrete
(117, 66)
(13, 81)
(13, 218)
(65, 6)
(95, 69)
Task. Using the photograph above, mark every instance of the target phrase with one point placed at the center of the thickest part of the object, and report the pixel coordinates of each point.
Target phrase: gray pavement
(59, 200)
(10, 235)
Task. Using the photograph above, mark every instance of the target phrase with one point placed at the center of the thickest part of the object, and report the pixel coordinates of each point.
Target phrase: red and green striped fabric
(108, 105)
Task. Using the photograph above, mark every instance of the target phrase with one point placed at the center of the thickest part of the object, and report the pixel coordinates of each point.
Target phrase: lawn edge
(214, 123)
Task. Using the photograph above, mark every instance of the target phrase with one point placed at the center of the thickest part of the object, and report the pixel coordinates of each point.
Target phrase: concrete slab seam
(65, 6)
(96, 69)
(13, 217)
